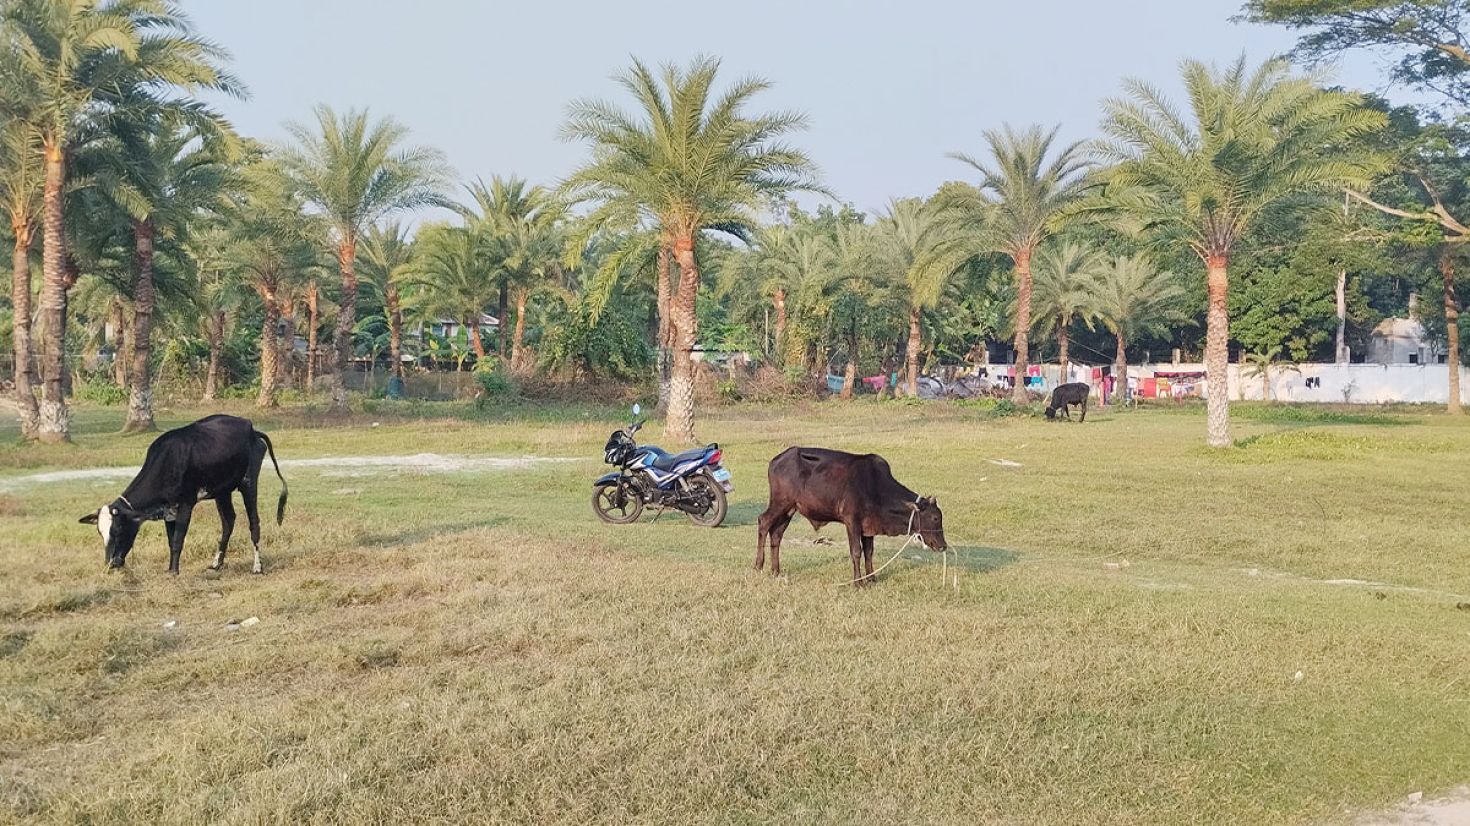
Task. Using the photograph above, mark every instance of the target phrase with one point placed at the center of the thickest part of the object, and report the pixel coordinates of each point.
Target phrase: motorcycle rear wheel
(605, 504)
(715, 514)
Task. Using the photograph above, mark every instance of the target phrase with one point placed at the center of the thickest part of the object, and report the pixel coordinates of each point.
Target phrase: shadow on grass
(427, 532)
(744, 515)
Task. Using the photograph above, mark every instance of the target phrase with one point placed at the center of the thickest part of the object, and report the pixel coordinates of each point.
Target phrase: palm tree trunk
(517, 342)
(1341, 295)
(502, 333)
(684, 330)
(140, 396)
(346, 320)
(1023, 322)
(916, 341)
(473, 326)
(663, 298)
(313, 321)
(395, 332)
(119, 344)
(53, 418)
(1064, 345)
(1217, 351)
(1120, 370)
(1452, 331)
(24, 231)
(216, 345)
(780, 301)
(270, 352)
(849, 374)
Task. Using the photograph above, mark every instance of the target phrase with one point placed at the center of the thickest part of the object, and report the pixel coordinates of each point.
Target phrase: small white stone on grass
(1415, 797)
(171, 624)
(249, 622)
(1298, 676)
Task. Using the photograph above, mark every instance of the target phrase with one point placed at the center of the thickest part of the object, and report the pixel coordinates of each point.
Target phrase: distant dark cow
(858, 491)
(209, 459)
(1068, 394)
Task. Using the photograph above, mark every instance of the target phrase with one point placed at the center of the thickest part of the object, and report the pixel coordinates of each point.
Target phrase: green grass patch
(1142, 631)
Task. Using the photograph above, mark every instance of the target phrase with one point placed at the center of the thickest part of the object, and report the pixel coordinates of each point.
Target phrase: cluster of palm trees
(137, 199)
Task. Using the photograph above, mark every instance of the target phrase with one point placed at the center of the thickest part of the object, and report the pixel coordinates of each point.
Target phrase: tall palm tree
(355, 171)
(457, 277)
(274, 246)
(689, 161)
(74, 57)
(922, 250)
(1063, 291)
(1252, 138)
(784, 258)
(161, 169)
(1024, 193)
(1130, 296)
(387, 262)
(20, 193)
(218, 293)
(522, 226)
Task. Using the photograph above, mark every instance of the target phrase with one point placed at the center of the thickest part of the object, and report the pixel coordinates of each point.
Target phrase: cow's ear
(89, 519)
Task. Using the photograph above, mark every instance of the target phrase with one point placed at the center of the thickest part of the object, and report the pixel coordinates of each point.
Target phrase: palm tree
(1132, 297)
(74, 57)
(783, 259)
(387, 262)
(273, 248)
(20, 192)
(1253, 138)
(355, 172)
(522, 225)
(161, 169)
(1024, 193)
(689, 162)
(1063, 291)
(218, 293)
(923, 250)
(457, 276)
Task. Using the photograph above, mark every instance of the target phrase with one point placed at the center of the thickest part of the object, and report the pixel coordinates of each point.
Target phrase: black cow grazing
(209, 459)
(858, 491)
(1066, 395)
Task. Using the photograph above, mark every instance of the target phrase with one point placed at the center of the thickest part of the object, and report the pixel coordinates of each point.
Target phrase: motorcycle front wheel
(705, 489)
(615, 504)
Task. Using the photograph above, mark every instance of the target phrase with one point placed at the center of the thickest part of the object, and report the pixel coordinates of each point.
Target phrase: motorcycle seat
(665, 461)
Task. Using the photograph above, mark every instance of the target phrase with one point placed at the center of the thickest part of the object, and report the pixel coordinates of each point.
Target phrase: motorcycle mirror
(637, 408)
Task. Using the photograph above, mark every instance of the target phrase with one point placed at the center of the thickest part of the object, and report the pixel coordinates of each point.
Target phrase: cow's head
(118, 524)
(928, 523)
(1051, 412)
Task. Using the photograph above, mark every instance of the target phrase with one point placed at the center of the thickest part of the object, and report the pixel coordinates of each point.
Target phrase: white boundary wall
(1339, 383)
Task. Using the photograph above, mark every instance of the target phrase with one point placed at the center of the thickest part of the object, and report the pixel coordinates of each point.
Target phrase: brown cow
(858, 491)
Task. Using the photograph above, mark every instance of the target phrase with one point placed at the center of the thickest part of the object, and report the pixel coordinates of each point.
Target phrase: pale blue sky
(889, 87)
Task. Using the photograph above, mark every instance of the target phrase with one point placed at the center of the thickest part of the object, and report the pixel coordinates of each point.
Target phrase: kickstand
(657, 515)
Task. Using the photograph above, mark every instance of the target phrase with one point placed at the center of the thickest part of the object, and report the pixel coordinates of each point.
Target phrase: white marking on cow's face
(104, 522)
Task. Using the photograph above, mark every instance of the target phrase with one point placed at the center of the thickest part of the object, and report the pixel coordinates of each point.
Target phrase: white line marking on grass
(360, 465)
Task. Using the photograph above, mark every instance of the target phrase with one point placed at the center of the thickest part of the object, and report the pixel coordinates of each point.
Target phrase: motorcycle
(693, 482)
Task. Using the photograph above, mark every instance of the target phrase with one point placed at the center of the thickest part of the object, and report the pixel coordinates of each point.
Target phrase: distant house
(1403, 341)
(449, 328)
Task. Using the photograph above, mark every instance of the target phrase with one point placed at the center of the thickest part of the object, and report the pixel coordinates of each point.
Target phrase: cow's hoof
(257, 571)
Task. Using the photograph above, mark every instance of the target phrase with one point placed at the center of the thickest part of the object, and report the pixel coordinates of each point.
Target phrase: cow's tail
(281, 502)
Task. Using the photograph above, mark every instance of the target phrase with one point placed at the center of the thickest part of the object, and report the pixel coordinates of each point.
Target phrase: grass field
(473, 646)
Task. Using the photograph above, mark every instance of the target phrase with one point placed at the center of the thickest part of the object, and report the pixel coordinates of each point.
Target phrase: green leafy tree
(1252, 138)
(687, 162)
(1023, 197)
(1429, 38)
(356, 171)
(456, 278)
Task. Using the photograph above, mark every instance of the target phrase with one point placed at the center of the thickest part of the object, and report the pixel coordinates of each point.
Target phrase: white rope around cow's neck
(896, 554)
